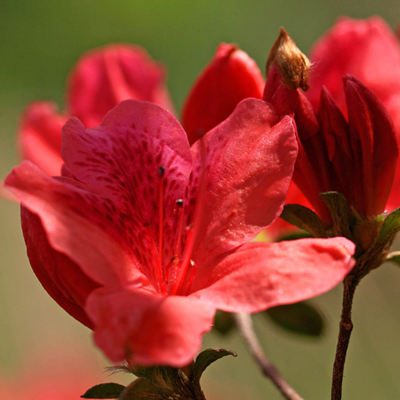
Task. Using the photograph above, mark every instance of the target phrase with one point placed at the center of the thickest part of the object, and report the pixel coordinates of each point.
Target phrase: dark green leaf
(295, 235)
(301, 318)
(390, 227)
(104, 391)
(207, 357)
(303, 218)
(223, 322)
(338, 207)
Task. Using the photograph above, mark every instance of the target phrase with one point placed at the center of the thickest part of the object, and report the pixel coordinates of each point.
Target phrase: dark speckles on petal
(121, 164)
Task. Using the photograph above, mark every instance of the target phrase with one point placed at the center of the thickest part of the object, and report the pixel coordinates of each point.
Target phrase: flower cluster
(142, 237)
(348, 122)
(142, 227)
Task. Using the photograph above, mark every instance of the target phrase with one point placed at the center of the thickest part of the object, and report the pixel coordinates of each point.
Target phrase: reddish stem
(345, 329)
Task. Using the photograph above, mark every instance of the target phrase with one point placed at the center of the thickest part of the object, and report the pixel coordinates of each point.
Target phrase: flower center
(176, 277)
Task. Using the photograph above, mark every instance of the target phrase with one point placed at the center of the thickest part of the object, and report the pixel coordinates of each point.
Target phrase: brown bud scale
(293, 65)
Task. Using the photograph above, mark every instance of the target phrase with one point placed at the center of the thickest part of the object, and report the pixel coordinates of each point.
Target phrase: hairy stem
(345, 328)
(245, 327)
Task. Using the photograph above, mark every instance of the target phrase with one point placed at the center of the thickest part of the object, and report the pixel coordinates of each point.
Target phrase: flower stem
(245, 327)
(345, 328)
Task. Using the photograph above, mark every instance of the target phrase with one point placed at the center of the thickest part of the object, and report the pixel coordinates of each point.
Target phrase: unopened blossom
(370, 51)
(230, 77)
(100, 80)
(355, 153)
(143, 237)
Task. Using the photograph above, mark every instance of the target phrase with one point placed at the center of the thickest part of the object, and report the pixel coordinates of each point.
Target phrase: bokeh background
(40, 42)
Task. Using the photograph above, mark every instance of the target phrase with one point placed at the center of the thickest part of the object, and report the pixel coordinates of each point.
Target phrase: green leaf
(207, 357)
(390, 227)
(338, 207)
(295, 235)
(104, 391)
(303, 218)
(394, 256)
(224, 322)
(302, 318)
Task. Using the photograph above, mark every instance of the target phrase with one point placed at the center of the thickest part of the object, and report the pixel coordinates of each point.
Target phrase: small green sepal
(205, 358)
(303, 218)
(338, 207)
(394, 257)
(104, 391)
(390, 227)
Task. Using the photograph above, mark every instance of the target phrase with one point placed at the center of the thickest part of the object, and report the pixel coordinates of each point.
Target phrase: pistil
(160, 272)
(193, 230)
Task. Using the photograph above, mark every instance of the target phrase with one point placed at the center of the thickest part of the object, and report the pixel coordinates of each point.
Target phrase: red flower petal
(121, 160)
(63, 279)
(230, 77)
(40, 136)
(104, 77)
(78, 224)
(148, 328)
(375, 148)
(258, 276)
(249, 164)
(366, 49)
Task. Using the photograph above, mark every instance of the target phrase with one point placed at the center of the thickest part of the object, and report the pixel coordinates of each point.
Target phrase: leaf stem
(345, 329)
(245, 327)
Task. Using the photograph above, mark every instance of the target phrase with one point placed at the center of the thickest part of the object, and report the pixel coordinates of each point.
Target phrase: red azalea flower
(62, 375)
(368, 50)
(144, 238)
(101, 79)
(354, 155)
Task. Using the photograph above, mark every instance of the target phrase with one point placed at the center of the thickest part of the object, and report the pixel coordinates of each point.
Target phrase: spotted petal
(77, 223)
(121, 159)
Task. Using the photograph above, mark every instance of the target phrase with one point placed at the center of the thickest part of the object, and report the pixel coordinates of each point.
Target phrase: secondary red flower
(101, 79)
(355, 154)
(368, 50)
(64, 374)
(144, 238)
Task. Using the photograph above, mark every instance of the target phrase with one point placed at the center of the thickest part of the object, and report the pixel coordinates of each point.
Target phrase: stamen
(160, 172)
(192, 233)
(179, 203)
(156, 258)
(191, 273)
(170, 268)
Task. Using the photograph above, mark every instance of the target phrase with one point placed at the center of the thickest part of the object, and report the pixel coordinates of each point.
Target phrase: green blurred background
(40, 42)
